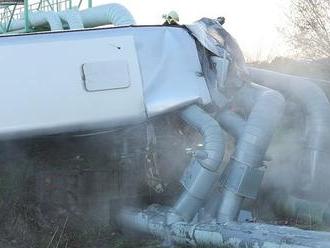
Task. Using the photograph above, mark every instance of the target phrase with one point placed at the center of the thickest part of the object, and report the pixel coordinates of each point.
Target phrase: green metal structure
(11, 10)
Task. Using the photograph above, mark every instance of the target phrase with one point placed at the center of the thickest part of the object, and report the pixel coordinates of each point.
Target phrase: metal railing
(11, 10)
(9, 13)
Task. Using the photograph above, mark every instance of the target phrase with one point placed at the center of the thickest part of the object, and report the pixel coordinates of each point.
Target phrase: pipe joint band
(197, 180)
(242, 179)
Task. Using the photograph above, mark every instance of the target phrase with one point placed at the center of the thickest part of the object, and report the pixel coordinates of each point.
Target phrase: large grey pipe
(243, 177)
(114, 13)
(72, 18)
(232, 123)
(153, 221)
(202, 172)
(317, 110)
(39, 18)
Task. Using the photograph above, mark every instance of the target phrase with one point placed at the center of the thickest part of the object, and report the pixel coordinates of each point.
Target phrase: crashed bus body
(95, 80)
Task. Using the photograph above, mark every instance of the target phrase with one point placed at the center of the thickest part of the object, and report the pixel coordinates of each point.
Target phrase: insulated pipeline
(37, 19)
(153, 221)
(109, 14)
(72, 18)
(114, 13)
(317, 122)
(231, 123)
(242, 176)
(201, 174)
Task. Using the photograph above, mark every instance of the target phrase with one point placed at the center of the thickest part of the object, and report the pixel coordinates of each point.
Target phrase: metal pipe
(37, 19)
(201, 174)
(232, 123)
(72, 18)
(153, 221)
(114, 13)
(303, 211)
(243, 176)
(317, 111)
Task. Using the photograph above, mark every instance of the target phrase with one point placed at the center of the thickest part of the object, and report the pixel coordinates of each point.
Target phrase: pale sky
(253, 23)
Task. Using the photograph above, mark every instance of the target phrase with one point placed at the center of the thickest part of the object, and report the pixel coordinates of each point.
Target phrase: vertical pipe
(201, 174)
(243, 177)
(232, 123)
(317, 120)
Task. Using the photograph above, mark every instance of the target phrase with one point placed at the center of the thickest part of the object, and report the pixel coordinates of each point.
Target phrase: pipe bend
(200, 176)
(120, 15)
(242, 176)
(46, 17)
(316, 108)
(302, 90)
(72, 18)
(233, 123)
(266, 108)
(113, 13)
(209, 128)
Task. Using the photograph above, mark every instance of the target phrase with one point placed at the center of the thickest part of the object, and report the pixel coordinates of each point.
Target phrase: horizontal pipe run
(37, 19)
(109, 14)
(152, 221)
(304, 211)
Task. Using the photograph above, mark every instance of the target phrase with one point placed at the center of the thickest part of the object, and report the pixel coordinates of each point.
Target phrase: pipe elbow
(200, 176)
(50, 17)
(119, 15)
(113, 13)
(307, 93)
(72, 18)
(273, 97)
(214, 146)
(214, 142)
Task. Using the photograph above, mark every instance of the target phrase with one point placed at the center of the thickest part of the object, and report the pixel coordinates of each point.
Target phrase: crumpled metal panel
(48, 94)
(171, 70)
(218, 41)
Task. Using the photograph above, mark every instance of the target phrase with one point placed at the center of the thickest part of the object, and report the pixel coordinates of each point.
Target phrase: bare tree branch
(308, 31)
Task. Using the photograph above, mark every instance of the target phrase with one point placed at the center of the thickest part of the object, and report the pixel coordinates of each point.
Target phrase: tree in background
(309, 28)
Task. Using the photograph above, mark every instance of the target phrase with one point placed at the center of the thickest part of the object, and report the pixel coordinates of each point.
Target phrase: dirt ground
(28, 222)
